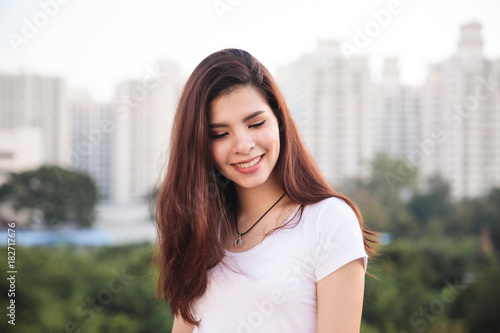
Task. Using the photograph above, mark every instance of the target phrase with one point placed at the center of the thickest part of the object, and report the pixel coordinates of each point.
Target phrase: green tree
(382, 196)
(435, 203)
(62, 195)
(94, 290)
(470, 215)
(478, 305)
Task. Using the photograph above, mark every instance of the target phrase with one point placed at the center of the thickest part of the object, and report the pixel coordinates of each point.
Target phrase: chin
(249, 185)
(252, 183)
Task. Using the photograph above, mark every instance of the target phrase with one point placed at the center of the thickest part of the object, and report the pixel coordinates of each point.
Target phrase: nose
(243, 143)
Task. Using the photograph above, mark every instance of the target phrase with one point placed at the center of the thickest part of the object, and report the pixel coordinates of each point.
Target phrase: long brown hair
(194, 199)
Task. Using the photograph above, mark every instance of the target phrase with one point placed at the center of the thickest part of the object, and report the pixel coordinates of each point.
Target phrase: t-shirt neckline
(259, 245)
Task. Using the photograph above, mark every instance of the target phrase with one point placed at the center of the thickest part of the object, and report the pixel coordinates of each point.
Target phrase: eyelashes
(223, 135)
(218, 136)
(257, 125)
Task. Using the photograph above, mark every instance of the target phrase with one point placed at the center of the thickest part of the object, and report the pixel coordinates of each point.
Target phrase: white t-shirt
(277, 293)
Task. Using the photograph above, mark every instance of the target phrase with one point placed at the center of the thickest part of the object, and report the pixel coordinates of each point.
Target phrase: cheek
(270, 137)
(218, 154)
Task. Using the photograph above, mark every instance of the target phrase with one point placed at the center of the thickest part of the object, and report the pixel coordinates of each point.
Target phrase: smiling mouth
(249, 164)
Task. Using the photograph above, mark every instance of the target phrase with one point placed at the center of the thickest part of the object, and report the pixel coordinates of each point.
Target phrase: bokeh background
(398, 101)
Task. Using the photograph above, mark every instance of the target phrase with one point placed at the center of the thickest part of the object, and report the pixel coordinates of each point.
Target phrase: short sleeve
(338, 237)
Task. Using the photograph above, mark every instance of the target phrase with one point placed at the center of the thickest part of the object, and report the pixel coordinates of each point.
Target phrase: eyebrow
(247, 118)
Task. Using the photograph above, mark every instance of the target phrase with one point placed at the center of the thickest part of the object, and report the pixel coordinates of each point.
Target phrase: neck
(255, 201)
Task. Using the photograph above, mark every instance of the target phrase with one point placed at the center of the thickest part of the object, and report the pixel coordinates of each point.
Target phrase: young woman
(251, 236)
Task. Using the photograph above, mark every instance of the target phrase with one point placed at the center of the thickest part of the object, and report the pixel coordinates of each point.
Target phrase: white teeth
(249, 164)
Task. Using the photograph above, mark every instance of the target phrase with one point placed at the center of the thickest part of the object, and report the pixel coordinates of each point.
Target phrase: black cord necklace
(240, 242)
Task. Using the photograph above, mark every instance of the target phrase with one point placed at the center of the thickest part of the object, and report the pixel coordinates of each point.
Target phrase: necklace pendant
(239, 242)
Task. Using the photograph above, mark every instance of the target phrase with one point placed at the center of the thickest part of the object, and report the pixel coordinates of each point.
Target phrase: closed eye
(258, 124)
(218, 136)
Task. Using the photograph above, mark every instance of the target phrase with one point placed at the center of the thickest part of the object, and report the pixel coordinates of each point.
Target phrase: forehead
(239, 101)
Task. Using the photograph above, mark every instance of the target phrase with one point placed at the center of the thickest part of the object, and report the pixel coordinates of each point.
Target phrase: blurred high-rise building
(20, 149)
(33, 101)
(142, 113)
(461, 118)
(450, 126)
(395, 114)
(91, 140)
(328, 96)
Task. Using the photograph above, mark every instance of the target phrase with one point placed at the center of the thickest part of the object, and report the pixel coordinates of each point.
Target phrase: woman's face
(245, 139)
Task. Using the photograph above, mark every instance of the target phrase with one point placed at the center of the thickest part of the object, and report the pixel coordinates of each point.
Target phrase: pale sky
(95, 44)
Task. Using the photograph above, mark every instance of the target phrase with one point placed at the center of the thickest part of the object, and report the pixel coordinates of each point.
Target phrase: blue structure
(82, 237)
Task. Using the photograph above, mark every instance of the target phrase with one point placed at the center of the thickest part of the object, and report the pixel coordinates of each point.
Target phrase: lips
(248, 163)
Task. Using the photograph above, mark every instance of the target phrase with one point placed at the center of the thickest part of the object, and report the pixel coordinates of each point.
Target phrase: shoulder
(332, 206)
(337, 236)
(330, 214)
